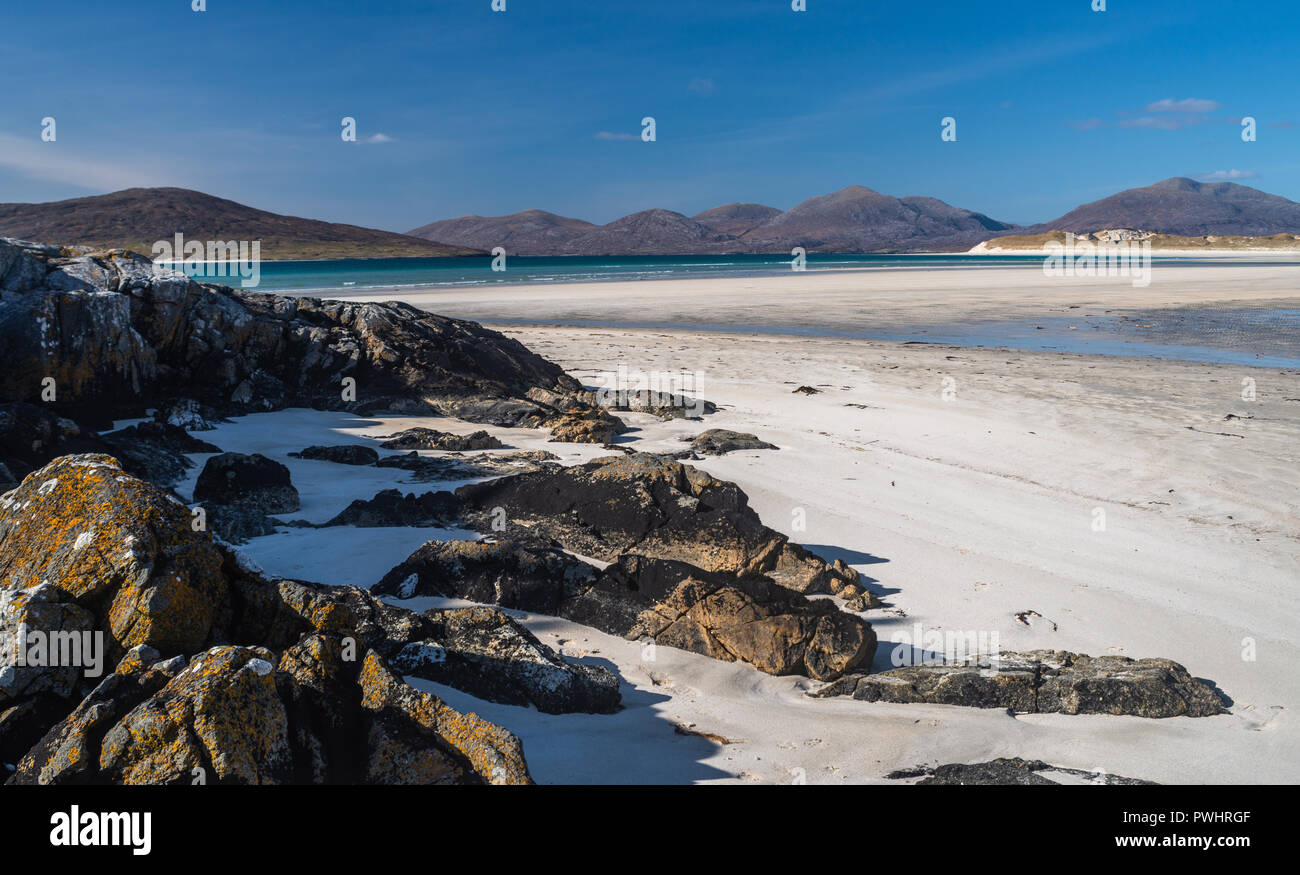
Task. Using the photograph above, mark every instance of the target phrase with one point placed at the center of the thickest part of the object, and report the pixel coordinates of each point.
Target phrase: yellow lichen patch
(91, 530)
(495, 754)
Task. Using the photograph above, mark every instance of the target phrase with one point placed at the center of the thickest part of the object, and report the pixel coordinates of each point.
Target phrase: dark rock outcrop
(157, 451)
(749, 619)
(393, 508)
(1009, 771)
(431, 439)
(116, 335)
(653, 507)
(425, 469)
(32, 435)
(1043, 681)
(350, 454)
(487, 654)
(252, 482)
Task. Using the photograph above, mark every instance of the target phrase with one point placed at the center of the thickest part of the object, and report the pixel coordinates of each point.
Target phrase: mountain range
(851, 220)
(859, 220)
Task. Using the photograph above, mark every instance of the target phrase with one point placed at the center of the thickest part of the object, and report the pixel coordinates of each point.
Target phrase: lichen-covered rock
(755, 621)
(416, 738)
(115, 545)
(60, 626)
(586, 427)
(222, 714)
(430, 439)
(69, 752)
(247, 480)
(487, 654)
(719, 441)
(350, 454)
(653, 507)
(751, 619)
(1043, 681)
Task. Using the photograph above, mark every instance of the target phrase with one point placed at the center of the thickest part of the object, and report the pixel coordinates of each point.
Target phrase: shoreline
(973, 306)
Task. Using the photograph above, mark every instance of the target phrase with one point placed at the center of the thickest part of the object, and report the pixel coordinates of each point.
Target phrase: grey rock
(719, 441)
(1043, 681)
(351, 454)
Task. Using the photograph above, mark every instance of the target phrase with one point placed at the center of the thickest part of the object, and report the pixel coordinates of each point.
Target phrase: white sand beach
(961, 509)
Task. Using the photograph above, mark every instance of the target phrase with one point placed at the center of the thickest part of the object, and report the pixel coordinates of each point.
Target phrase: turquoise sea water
(359, 274)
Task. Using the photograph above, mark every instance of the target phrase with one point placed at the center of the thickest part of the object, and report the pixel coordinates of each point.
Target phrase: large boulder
(1042, 681)
(115, 545)
(348, 454)
(720, 441)
(751, 619)
(1012, 771)
(430, 439)
(654, 507)
(247, 480)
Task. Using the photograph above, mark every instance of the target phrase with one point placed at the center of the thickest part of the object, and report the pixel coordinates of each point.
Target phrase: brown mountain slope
(1187, 208)
(735, 219)
(532, 232)
(857, 219)
(137, 217)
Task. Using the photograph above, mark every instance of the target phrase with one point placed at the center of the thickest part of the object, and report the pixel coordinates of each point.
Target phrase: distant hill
(857, 219)
(1186, 208)
(736, 219)
(532, 232)
(137, 217)
(852, 220)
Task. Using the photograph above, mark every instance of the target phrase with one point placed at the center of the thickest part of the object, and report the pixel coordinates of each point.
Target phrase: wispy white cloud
(1188, 104)
(64, 163)
(702, 86)
(1162, 115)
(1163, 123)
(1225, 175)
(378, 138)
(610, 135)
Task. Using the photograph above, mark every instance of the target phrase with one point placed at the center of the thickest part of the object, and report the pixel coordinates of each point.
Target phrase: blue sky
(464, 110)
